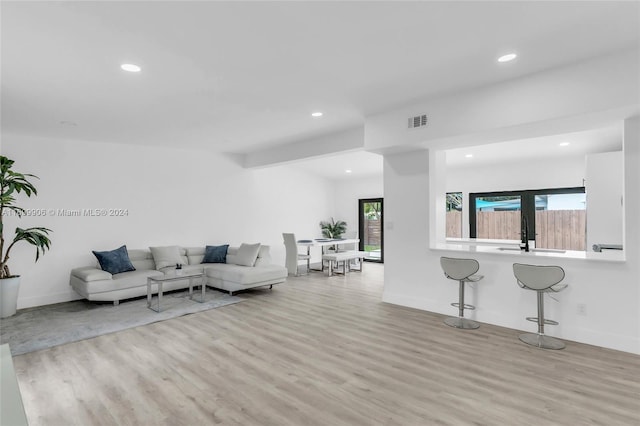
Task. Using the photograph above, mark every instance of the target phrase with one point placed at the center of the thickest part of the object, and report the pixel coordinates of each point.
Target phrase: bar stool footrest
(546, 321)
(470, 307)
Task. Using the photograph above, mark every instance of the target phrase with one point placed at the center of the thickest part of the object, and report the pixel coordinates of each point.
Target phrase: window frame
(527, 204)
(361, 203)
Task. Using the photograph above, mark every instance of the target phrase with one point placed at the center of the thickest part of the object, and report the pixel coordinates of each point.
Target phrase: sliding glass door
(370, 227)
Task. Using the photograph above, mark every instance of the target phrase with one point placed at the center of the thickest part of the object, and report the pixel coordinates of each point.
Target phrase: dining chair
(293, 256)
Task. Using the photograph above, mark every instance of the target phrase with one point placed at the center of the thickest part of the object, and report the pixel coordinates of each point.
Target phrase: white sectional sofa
(93, 283)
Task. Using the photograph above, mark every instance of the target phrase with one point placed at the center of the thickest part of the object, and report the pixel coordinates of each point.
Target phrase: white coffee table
(172, 277)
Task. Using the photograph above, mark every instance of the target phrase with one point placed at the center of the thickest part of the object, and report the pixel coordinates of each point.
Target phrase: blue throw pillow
(215, 254)
(114, 261)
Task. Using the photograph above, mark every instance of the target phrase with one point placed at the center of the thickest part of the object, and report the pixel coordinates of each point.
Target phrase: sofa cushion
(141, 258)
(119, 282)
(114, 261)
(247, 254)
(264, 257)
(166, 256)
(195, 255)
(215, 254)
(243, 275)
(89, 273)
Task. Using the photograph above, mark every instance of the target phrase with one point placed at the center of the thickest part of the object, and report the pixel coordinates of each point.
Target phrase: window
(454, 214)
(498, 217)
(556, 217)
(561, 221)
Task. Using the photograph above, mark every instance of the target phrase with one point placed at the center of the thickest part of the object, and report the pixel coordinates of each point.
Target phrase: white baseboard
(416, 303)
(576, 334)
(29, 302)
(606, 340)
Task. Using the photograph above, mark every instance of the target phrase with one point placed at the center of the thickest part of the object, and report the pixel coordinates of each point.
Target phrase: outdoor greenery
(333, 229)
(11, 184)
(373, 211)
(454, 201)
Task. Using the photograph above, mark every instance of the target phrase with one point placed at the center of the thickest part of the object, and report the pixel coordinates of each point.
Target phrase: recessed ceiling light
(130, 67)
(508, 57)
(348, 171)
(316, 114)
(69, 123)
(469, 156)
(565, 143)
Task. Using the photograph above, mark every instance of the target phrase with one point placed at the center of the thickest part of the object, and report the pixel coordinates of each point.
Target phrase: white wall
(604, 174)
(407, 263)
(530, 174)
(413, 276)
(561, 172)
(171, 196)
(579, 97)
(344, 141)
(631, 241)
(348, 192)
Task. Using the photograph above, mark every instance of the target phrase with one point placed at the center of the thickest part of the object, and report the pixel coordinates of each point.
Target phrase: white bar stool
(541, 279)
(461, 270)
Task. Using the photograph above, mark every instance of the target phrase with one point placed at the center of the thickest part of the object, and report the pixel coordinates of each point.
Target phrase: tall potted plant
(13, 183)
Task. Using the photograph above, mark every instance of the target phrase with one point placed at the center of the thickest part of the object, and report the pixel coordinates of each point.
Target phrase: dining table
(323, 243)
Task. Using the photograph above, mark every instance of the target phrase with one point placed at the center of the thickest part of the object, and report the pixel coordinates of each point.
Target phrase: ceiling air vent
(418, 121)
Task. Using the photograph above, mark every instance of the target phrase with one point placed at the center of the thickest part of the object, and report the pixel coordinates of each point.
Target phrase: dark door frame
(361, 203)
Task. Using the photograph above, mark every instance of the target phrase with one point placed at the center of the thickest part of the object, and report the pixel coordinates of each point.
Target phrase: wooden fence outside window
(556, 229)
(372, 232)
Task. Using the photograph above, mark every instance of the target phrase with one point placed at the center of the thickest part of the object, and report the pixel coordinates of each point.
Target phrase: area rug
(33, 329)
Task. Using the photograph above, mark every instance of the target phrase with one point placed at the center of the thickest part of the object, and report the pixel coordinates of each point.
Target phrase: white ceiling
(239, 76)
(362, 164)
(580, 144)
(366, 165)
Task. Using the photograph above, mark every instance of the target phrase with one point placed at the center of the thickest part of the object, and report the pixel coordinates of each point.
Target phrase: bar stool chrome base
(542, 341)
(463, 323)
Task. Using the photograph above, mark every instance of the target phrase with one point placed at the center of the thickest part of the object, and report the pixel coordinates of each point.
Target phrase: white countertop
(511, 248)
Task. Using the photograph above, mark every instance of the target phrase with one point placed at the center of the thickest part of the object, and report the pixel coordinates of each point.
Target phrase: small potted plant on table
(333, 229)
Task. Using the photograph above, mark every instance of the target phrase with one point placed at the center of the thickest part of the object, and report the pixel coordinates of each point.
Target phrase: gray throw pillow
(166, 256)
(215, 254)
(114, 261)
(247, 254)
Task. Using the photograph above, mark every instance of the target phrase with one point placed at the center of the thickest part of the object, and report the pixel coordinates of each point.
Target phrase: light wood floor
(325, 351)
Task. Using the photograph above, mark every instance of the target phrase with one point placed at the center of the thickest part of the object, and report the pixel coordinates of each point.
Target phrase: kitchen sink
(541, 250)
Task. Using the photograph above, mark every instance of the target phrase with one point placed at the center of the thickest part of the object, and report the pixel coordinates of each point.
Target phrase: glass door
(370, 227)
